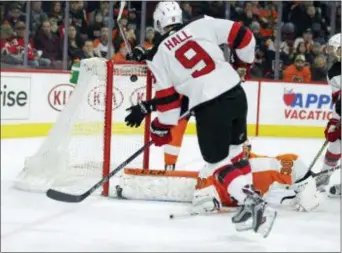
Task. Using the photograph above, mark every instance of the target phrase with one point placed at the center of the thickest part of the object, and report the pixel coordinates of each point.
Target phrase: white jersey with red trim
(334, 80)
(189, 61)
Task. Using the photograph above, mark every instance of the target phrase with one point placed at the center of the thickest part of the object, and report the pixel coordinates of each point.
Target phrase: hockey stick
(313, 174)
(192, 214)
(123, 35)
(312, 164)
(66, 197)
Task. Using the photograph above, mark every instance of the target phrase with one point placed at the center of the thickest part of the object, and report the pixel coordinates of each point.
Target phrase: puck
(171, 216)
(133, 78)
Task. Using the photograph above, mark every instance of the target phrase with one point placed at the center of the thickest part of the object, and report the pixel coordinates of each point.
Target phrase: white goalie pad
(158, 185)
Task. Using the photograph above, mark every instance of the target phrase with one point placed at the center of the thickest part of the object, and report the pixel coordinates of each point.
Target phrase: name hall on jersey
(177, 39)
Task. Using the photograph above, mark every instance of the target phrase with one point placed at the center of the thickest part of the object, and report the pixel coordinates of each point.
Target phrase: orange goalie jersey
(272, 176)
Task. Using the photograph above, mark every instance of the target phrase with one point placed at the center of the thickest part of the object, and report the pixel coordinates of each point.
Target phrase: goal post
(89, 137)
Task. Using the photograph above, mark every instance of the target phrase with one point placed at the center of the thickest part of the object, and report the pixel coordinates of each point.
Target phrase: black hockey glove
(138, 54)
(138, 113)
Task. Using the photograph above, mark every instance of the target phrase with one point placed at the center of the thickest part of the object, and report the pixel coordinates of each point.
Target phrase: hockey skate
(254, 214)
(170, 167)
(322, 181)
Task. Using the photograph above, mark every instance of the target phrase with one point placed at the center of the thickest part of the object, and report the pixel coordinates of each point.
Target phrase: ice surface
(32, 222)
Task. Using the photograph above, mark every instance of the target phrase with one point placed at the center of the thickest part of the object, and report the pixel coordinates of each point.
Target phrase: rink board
(32, 101)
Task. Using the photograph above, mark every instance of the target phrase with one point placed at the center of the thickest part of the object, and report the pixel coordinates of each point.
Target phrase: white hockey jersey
(334, 80)
(190, 62)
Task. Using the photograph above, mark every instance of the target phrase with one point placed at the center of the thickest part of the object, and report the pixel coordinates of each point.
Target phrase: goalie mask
(334, 46)
(166, 14)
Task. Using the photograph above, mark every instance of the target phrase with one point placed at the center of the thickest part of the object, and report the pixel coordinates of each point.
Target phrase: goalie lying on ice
(280, 180)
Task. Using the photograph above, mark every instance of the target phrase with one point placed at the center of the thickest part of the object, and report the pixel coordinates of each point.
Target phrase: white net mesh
(71, 157)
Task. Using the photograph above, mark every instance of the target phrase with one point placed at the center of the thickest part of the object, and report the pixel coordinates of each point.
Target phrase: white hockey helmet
(334, 44)
(165, 14)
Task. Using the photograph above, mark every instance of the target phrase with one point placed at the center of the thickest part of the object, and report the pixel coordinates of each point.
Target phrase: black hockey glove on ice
(138, 113)
(138, 54)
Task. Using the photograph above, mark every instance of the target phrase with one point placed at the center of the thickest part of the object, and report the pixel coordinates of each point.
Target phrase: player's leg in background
(331, 158)
(171, 150)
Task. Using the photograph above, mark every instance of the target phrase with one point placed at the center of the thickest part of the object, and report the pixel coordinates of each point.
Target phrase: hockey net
(89, 138)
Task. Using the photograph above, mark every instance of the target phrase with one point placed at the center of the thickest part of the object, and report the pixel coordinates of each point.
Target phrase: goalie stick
(66, 197)
(312, 164)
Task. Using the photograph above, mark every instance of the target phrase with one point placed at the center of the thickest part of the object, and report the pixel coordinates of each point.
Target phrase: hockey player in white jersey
(333, 129)
(188, 61)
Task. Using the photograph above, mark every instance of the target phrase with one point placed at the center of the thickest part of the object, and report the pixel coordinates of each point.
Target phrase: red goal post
(89, 139)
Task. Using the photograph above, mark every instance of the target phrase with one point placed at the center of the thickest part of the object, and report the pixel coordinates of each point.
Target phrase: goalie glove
(307, 198)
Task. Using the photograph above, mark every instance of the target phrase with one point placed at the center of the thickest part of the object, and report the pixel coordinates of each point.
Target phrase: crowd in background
(305, 29)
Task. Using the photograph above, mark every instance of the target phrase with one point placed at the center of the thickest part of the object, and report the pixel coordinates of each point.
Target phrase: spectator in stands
(300, 49)
(49, 43)
(94, 29)
(313, 19)
(255, 27)
(104, 10)
(315, 51)
(297, 72)
(270, 58)
(37, 15)
(88, 50)
(14, 14)
(187, 11)
(319, 69)
(133, 22)
(247, 16)
(149, 38)
(56, 12)
(34, 56)
(8, 50)
(267, 17)
(101, 44)
(307, 38)
(77, 15)
(121, 55)
(54, 26)
(293, 12)
(75, 43)
(259, 67)
(133, 18)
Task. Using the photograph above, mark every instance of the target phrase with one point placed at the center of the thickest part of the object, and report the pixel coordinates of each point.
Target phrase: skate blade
(267, 225)
(244, 226)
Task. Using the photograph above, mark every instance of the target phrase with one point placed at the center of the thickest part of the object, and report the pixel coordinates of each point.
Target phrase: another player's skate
(322, 181)
(170, 167)
(254, 214)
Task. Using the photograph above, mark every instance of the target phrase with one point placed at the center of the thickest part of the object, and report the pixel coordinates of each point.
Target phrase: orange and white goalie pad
(272, 176)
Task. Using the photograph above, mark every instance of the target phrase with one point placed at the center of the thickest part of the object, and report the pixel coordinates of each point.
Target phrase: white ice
(33, 222)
